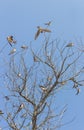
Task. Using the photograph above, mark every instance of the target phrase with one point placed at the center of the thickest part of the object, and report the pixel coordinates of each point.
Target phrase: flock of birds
(12, 41)
(40, 30)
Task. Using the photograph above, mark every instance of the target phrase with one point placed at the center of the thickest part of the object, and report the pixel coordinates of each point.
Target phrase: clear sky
(20, 19)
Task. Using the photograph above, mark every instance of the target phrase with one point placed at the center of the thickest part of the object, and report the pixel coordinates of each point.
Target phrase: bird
(20, 107)
(7, 98)
(12, 51)
(35, 59)
(24, 47)
(48, 23)
(11, 40)
(1, 112)
(70, 44)
(19, 74)
(43, 88)
(41, 30)
(63, 82)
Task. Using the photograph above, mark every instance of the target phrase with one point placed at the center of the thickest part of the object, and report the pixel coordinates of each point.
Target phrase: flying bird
(1, 112)
(70, 45)
(24, 47)
(12, 51)
(48, 23)
(11, 40)
(41, 30)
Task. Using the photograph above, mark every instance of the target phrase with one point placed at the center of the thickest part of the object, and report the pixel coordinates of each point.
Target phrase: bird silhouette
(41, 30)
(11, 40)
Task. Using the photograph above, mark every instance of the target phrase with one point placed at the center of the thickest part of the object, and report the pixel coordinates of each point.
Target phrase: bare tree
(33, 84)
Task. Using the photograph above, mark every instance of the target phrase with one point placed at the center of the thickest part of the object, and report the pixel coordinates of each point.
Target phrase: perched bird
(7, 98)
(20, 107)
(43, 88)
(11, 40)
(1, 112)
(70, 45)
(48, 23)
(35, 59)
(19, 74)
(63, 82)
(41, 30)
(24, 47)
(12, 51)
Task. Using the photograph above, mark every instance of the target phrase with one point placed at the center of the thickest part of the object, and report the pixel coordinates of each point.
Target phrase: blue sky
(20, 19)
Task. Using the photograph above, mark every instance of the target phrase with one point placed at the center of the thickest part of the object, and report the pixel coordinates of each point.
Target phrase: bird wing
(10, 44)
(37, 34)
(46, 30)
(9, 41)
(14, 41)
(48, 23)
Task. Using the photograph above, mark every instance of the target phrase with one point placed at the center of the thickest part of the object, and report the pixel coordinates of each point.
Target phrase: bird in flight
(12, 51)
(11, 40)
(41, 30)
(48, 23)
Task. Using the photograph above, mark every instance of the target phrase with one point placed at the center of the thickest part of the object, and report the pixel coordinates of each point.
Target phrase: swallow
(1, 112)
(12, 51)
(20, 107)
(41, 30)
(48, 23)
(11, 40)
(24, 47)
(70, 45)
